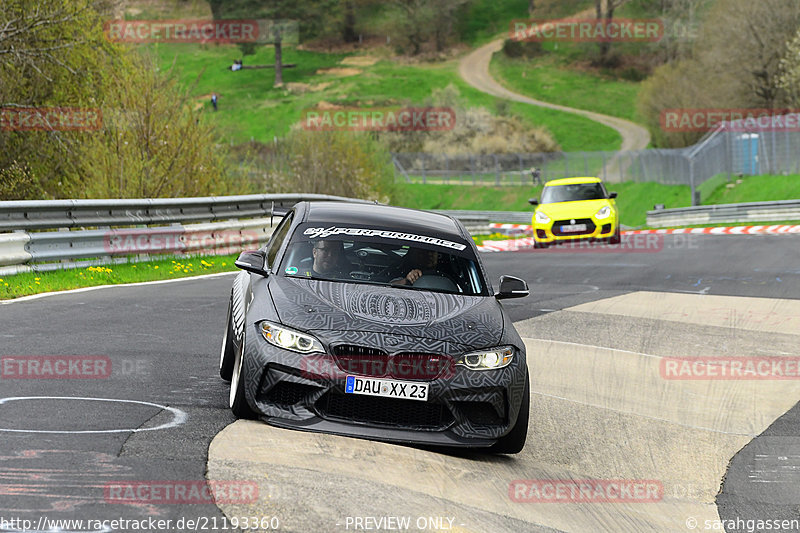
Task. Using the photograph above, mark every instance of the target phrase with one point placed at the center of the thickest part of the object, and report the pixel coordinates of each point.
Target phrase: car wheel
(514, 441)
(227, 352)
(537, 244)
(237, 399)
(616, 238)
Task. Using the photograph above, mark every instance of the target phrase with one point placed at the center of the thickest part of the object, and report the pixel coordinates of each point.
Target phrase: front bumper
(464, 408)
(596, 229)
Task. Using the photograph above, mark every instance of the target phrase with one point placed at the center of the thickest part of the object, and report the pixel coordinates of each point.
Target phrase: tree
(51, 54)
(444, 20)
(153, 143)
(604, 10)
(55, 54)
(284, 15)
(349, 25)
(763, 30)
(789, 78)
(681, 26)
(415, 17)
(718, 74)
(420, 21)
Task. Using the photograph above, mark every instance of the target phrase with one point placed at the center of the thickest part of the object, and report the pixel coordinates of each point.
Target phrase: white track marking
(178, 417)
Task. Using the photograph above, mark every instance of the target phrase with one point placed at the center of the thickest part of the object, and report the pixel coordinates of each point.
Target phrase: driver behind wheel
(415, 264)
(329, 260)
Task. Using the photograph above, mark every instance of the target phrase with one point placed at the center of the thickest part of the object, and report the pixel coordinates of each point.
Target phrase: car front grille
(411, 414)
(590, 227)
(375, 363)
(361, 360)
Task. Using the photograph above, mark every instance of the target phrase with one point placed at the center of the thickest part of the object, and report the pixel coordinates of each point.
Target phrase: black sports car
(376, 322)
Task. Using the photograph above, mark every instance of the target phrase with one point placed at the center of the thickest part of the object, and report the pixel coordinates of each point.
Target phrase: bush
(515, 49)
(338, 163)
(152, 144)
(17, 182)
(476, 131)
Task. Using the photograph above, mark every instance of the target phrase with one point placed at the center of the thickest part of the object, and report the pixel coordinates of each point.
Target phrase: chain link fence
(728, 151)
(663, 166)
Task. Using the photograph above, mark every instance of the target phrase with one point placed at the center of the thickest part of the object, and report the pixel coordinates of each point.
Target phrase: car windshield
(384, 257)
(573, 193)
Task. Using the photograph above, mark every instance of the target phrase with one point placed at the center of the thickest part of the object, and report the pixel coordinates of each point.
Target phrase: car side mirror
(612, 195)
(511, 287)
(254, 262)
(533, 201)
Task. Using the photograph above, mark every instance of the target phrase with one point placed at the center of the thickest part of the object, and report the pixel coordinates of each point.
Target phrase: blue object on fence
(747, 149)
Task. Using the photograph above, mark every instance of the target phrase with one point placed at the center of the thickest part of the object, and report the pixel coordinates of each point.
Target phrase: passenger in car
(415, 264)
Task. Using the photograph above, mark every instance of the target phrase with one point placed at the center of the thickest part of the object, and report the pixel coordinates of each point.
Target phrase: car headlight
(487, 359)
(288, 339)
(604, 212)
(541, 218)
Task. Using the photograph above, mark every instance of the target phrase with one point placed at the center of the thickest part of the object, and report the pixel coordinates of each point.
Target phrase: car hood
(565, 210)
(312, 305)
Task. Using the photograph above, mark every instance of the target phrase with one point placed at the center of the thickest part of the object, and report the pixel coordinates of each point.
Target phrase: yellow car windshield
(573, 193)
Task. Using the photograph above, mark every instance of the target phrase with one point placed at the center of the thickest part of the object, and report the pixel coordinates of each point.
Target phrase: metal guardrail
(51, 214)
(88, 232)
(727, 213)
(483, 218)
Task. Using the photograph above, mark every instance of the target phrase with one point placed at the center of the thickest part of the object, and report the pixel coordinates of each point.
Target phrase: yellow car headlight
(487, 359)
(541, 218)
(604, 212)
(288, 339)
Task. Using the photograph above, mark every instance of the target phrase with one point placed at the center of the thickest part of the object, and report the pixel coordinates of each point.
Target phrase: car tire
(237, 399)
(514, 440)
(539, 245)
(616, 238)
(227, 354)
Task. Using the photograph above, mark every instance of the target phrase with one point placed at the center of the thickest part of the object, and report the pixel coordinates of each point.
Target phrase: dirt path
(474, 69)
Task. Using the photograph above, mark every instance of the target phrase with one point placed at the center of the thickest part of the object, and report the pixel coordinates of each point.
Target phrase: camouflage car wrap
(464, 407)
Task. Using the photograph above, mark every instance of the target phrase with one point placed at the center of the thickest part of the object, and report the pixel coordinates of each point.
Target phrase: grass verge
(27, 283)
(754, 189)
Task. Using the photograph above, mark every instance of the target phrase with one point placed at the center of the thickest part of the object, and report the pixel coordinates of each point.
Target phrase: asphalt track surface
(593, 323)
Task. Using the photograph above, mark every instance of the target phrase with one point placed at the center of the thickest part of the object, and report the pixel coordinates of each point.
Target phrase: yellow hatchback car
(575, 208)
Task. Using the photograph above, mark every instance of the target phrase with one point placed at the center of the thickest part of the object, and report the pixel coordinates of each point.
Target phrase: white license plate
(386, 387)
(569, 228)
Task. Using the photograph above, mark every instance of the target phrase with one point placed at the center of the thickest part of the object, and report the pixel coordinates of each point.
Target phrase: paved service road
(598, 328)
(474, 69)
